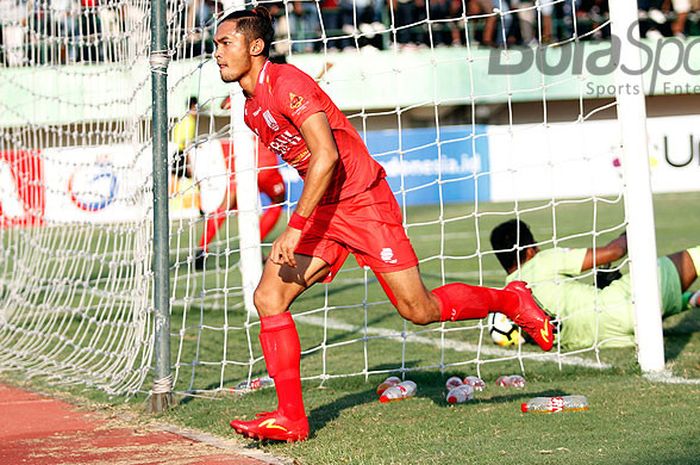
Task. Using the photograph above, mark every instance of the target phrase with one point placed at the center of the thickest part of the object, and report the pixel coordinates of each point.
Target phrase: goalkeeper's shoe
(273, 426)
(530, 316)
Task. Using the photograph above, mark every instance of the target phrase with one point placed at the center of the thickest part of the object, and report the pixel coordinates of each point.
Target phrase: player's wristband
(297, 221)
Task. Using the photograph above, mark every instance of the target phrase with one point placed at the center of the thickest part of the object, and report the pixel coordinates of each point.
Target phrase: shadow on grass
(324, 414)
(431, 385)
(678, 336)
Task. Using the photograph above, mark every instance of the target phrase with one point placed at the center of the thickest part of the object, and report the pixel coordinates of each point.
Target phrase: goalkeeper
(588, 315)
(346, 206)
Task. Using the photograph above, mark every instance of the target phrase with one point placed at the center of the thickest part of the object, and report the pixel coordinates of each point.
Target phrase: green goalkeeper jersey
(589, 314)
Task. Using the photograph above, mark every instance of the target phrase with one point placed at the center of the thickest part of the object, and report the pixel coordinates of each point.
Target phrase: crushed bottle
(555, 404)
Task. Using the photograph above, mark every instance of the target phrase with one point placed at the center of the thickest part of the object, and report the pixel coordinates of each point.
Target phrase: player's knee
(414, 312)
(268, 303)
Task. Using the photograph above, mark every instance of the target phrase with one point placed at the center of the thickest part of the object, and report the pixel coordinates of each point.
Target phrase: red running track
(37, 430)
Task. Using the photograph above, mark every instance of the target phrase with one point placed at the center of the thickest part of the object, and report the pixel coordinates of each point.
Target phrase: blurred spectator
(654, 17)
(66, 31)
(681, 8)
(497, 10)
(13, 21)
(89, 27)
(332, 23)
(445, 18)
(361, 17)
(530, 15)
(304, 25)
(591, 15)
(62, 18)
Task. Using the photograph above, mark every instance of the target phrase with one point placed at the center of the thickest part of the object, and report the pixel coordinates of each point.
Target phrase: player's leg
(687, 263)
(212, 224)
(372, 226)
(279, 286)
(682, 8)
(459, 301)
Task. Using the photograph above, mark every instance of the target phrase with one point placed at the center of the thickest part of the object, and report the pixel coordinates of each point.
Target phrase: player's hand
(621, 243)
(284, 246)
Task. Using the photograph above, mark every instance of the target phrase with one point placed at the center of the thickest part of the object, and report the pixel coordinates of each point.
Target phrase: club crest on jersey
(270, 120)
(387, 255)
(295, 101)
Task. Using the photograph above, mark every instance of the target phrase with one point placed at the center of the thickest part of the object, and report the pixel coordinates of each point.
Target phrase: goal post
(161, 393)
(246, 156)
(632, 116)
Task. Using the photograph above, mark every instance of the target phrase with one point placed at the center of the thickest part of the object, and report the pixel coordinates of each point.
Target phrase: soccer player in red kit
(345, 206)
(270, 183)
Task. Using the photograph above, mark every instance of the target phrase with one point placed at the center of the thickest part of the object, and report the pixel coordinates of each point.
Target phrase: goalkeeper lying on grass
(588, 314)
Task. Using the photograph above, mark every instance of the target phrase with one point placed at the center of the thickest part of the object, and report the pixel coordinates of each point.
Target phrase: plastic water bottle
(475, 382)
(254, 384)
(515, 381)
(460, 394)
(401, 391)
(453, 382)
(555, 404)
(387, 383)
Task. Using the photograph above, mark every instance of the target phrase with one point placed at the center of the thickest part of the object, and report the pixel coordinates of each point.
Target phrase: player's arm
(318, 137)
(609, 253)
(324, 157)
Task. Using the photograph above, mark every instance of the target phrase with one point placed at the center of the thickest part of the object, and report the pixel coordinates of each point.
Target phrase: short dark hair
(510, 238)
(254, 24)
(192, 101)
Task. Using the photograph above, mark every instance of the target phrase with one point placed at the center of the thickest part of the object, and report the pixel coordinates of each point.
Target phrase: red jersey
(283, 99)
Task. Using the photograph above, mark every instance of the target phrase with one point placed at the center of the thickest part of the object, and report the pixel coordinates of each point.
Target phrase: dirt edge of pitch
(229, 445)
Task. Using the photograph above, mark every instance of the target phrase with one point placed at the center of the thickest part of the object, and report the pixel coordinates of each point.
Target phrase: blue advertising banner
(421, 165)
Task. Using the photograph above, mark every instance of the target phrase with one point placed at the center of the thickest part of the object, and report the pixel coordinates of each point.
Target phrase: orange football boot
(273, 426)
(530, 316)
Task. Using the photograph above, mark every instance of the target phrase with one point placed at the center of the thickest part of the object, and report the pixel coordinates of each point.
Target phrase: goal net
(469, 134)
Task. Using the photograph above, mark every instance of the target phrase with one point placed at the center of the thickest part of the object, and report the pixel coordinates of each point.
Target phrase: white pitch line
(457, 346)
(668, 378)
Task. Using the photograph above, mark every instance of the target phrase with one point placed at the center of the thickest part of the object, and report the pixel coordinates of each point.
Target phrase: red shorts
(369, 225)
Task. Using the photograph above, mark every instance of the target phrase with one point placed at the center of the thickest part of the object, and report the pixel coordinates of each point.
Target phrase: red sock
(211, 226)
(269, 219)
(464, 302)
(282, 351)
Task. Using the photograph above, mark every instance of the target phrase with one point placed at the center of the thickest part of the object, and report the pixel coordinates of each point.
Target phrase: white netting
(76, 216)
(463, 148)
(413, 80)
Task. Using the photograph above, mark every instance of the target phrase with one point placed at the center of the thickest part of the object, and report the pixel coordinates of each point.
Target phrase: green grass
(631, 420)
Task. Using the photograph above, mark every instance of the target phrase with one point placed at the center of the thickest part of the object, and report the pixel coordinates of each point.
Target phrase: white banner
(584, 159)
(105, 184)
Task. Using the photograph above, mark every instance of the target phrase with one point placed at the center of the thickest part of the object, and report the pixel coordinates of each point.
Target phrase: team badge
(387, 255)
(295, 101)
(270, 120)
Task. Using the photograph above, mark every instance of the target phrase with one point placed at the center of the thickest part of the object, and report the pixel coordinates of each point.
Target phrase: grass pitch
(631, 420)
